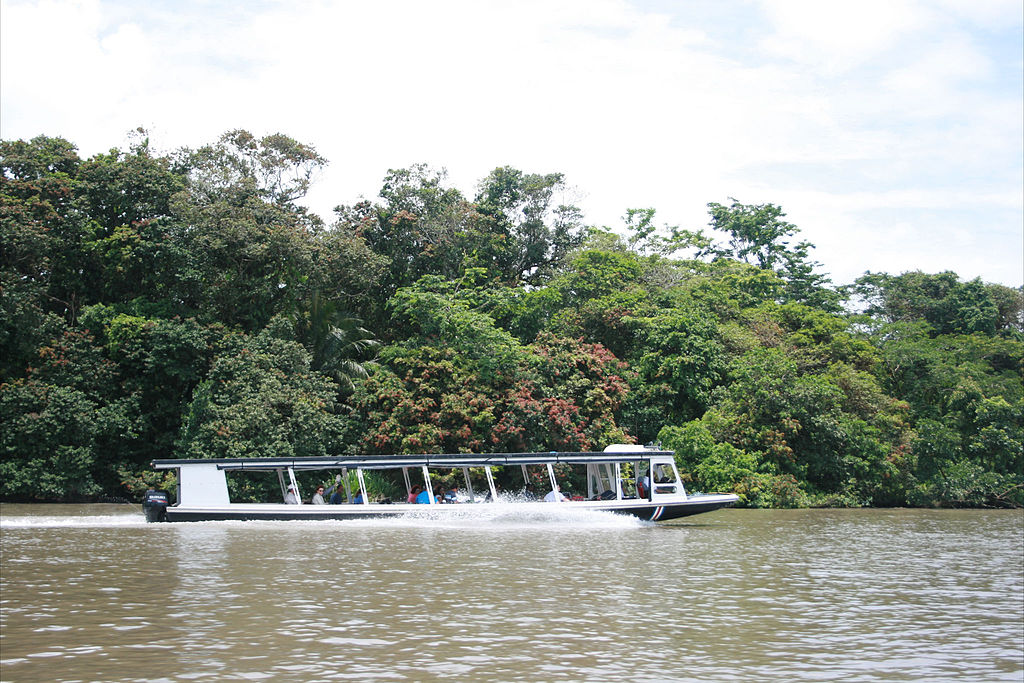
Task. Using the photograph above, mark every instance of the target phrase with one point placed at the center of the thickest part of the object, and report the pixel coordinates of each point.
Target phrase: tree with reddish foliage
(460, 384)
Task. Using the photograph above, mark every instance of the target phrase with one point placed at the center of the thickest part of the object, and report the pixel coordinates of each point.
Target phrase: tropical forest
(185, 304)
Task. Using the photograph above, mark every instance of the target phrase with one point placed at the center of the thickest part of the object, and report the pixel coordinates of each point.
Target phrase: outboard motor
(154, 504)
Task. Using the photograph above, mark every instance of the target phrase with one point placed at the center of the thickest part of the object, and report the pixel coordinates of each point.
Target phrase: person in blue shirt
(358, 500)
(423, 497)
(338, 497)
(336, 494)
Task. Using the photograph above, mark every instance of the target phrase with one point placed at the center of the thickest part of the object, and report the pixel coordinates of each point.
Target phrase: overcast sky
(891, 132)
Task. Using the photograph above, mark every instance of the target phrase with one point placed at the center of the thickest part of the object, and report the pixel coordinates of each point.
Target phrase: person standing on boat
(318, 497)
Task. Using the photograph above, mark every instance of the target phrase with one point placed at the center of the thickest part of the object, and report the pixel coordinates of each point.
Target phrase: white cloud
(842, 113)
(836, 36)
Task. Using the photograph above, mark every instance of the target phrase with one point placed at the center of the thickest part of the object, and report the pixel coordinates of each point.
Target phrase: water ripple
(808, 595)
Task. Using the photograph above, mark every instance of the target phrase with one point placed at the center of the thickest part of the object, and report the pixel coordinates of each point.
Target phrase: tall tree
(536, 234)
(757, 234)
(941, 300)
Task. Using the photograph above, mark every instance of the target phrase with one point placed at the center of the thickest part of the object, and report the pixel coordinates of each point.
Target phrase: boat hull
(646, 510)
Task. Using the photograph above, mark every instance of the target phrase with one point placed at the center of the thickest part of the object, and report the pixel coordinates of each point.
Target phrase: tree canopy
(186, 305)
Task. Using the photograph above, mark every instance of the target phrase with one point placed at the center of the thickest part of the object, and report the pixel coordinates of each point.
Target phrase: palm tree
(340, 346)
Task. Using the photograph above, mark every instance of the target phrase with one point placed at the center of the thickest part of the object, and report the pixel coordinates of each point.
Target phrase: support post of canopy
(490, 483)
(280, 480)
(362, 486)
(469, 484)
(526, 476)
(348, 487)
(408, 484)
(429, 488)
(551, 476)
(618, 481)
(295, 484)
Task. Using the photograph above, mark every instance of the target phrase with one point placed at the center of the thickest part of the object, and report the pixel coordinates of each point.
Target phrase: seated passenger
(423, 497)
(334, 490)
(290, 498)
(555, 496)
(358, 500)
(318, 497)
(338, 497)
(643, 486)
(413, 492)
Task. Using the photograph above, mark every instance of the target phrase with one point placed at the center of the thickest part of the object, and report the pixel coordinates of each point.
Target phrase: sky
(891, 132)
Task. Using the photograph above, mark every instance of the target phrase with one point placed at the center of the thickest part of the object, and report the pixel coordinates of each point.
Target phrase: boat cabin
(621, 472)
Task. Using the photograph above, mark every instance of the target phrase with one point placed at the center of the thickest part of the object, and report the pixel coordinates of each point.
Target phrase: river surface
(92, 593)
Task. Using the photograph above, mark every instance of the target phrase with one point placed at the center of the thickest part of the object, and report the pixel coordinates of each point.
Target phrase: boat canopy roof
(379, 462)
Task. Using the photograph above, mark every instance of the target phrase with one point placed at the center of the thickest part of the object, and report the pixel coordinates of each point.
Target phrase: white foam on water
(514, 516)
(482, 516)
(489, 516)
(61, 521)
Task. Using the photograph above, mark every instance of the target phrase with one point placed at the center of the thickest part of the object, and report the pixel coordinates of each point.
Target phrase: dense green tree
(47, 444)
(72, 371)
(239, 166)
(186, 305)
(42, 228)
(941, 300)
(421, 227)
(757, 234)
(338, 344)
(535, 233)
(245, 262)
(966, 393)
(259, 399)
(679, 362)
(460, 383)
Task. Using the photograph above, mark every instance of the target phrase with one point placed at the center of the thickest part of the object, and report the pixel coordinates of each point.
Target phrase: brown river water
(93, 593)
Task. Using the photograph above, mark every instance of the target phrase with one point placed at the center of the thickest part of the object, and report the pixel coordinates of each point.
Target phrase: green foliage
(154, 306)
(758, 235)
(47, 444)
(421, 227)
(713, 466)
(948, 305)
(533, 233)
(554, 394)
(337, 342)
(261, 399)
(275, 168)
(756, 232)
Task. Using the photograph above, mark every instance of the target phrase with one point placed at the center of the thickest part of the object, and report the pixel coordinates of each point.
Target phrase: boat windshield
(666, 480)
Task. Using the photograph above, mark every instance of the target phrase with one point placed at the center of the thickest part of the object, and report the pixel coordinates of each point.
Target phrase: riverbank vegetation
(186, 305)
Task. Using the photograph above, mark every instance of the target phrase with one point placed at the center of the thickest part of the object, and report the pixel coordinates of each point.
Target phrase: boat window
(601, 481)
(665, 478)
(664, 473)
(253, 486)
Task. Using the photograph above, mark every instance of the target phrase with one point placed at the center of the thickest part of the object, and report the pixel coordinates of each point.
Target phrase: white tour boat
(624, 479)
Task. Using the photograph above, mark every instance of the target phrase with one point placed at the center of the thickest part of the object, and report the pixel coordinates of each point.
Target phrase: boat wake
(134, 519)
(480, 516)
(509, 516)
